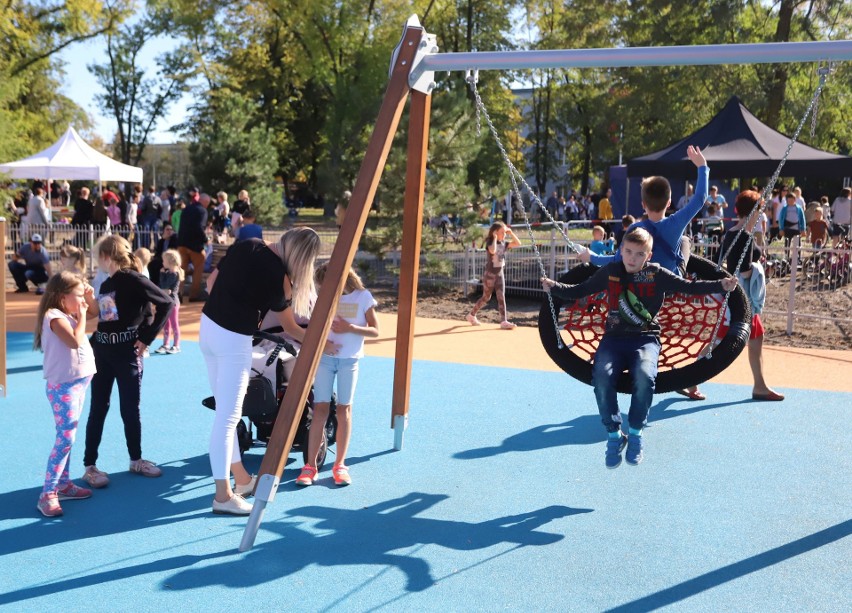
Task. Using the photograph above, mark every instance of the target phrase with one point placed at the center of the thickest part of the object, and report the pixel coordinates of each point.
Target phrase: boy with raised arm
(672, 247)
(631, 340)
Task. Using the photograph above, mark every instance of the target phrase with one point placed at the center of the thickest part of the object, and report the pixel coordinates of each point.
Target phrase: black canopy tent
(737, 144)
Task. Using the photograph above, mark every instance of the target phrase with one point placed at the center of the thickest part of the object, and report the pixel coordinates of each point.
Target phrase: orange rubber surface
(459, 342)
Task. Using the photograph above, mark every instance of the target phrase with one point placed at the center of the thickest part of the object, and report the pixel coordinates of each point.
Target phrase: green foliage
(233, 151)
(32, 112)
(136, 101)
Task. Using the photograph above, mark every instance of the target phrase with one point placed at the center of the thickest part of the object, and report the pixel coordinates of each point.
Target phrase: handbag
(260, 400)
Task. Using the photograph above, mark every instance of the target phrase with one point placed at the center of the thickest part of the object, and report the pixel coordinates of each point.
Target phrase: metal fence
(800, 272)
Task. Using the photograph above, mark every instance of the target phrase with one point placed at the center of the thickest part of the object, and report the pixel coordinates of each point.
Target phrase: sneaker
(507, 325)
(634, 454)
(237, 505)
(39, 291)
(96, 478)
(472, 320)
(307, 476)
(146, 354)
(173, 349)
(70, 491)
(48, 504)
(614, 447)
(247, 489)
(22, 290)
(145, 468)
(161, 350)
(341, 475)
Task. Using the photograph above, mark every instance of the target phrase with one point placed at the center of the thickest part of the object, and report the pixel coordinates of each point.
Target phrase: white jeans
(228, 357)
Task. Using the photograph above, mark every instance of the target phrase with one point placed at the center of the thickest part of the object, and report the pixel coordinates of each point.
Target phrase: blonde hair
(172, 262)
(143, 254)
(76, 258)
(298, 249)
(353, 281)
(118, 250)
(243, 195)
(599, 229)
(57, 287)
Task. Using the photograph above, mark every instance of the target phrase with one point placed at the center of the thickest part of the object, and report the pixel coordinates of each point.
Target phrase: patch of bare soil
(452, 304)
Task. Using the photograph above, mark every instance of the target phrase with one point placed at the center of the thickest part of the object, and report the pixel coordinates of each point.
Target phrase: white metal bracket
(418, 79)
(400, 424)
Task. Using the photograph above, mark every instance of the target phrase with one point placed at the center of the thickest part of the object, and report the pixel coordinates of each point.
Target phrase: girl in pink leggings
(68, 367)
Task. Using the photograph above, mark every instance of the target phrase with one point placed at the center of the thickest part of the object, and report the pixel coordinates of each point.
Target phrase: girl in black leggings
(125, 329)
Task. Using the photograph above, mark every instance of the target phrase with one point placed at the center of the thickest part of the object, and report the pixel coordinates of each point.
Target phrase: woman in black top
(736, 239)
(169, 241)
(250, 280)
(125, 330)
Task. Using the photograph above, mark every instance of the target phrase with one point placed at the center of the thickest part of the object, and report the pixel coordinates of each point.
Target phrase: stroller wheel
(321, 453)
(244, 439)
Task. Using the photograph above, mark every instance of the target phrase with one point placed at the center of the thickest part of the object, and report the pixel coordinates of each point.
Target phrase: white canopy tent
(71, 158)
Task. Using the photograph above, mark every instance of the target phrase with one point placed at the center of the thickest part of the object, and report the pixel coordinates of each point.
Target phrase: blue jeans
(638, 355)
(23, 273)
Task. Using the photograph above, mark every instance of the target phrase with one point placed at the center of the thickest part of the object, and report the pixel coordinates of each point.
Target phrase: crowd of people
(252, 280)
(138, 296)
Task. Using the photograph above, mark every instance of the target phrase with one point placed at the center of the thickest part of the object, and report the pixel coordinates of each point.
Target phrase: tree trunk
(778, 87)
(587, 159)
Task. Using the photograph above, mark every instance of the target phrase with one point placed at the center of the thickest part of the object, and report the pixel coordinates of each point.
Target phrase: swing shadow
(582, 430)
(368, 536)
(464, 328)
(734, 571)
(109, 511)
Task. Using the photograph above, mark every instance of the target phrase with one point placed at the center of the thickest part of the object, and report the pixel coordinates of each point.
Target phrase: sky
(79, 85)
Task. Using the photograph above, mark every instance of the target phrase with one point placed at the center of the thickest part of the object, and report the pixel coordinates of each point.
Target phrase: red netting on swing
(687, 323)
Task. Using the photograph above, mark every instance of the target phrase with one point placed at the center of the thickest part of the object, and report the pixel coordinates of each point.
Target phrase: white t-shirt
(353, 308)
(61, 363)
(842, 211)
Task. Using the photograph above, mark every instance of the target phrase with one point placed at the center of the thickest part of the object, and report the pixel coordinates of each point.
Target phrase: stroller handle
(280, 342)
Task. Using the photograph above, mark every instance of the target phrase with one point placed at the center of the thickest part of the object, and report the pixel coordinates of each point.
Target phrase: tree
(136, 102)
(33, 113)
(232, 150)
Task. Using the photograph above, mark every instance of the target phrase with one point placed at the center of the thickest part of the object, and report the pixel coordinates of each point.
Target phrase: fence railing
(796, 269)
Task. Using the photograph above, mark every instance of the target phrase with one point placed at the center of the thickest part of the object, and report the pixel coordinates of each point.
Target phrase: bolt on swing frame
(413, 64)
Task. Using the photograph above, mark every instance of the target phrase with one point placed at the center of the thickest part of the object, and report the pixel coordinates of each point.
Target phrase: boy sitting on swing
(673, 247)
(635, 293)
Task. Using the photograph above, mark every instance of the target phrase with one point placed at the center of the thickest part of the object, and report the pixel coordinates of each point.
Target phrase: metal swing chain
(823, 72)
(472, 78)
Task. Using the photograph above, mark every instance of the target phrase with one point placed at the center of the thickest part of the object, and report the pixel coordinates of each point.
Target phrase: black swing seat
(687, 323)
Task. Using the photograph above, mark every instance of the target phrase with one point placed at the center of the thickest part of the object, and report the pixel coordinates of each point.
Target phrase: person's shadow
(583, 430)
(110, 510)
(351, 537)
(371, 536)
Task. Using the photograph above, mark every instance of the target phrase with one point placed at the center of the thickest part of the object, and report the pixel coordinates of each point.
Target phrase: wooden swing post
(290, 412)
(3, 310)
(409, 269)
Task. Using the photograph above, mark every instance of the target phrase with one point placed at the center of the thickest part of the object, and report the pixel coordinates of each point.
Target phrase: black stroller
(266, 388)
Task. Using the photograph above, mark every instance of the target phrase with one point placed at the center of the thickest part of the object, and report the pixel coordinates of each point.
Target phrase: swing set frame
(411, 75)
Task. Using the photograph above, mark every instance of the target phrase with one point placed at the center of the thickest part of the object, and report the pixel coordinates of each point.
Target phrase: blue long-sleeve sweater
(667, 231)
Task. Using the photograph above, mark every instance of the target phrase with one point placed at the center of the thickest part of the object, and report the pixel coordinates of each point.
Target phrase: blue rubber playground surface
(499, 501)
